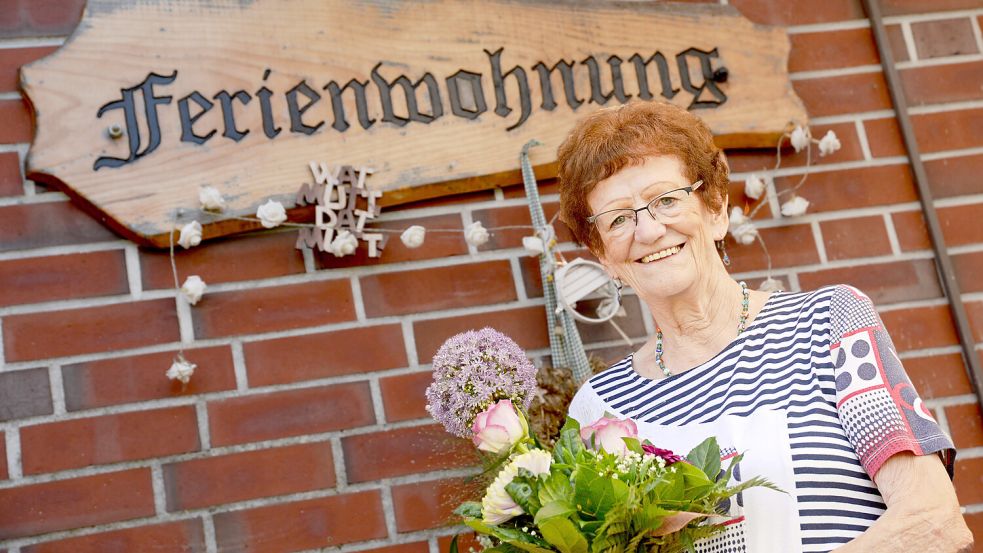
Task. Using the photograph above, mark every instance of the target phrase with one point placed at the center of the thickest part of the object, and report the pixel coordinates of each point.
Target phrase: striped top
(826, 361)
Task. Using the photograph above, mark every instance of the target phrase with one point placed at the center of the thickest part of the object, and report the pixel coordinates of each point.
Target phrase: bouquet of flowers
(600, 489)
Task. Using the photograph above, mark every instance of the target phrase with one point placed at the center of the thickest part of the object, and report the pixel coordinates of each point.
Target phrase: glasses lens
(668, 205)
(616, 222)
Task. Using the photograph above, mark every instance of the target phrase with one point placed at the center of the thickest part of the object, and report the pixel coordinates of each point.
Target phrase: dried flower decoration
(474, 369)
(344, 244)
(211, 199)
(181, 370)
(800, 138)
(190, 235)
(741, 227)
(829, 143)
(754, 187)
(271, 214)
(795, 206)
(193, 288)
(413, 237)
(475, 234)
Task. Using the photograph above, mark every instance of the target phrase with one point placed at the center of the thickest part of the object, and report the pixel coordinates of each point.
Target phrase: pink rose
(608, 434)
(498, 428)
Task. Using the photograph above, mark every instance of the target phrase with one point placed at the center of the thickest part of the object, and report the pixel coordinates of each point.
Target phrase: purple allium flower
(471, 371)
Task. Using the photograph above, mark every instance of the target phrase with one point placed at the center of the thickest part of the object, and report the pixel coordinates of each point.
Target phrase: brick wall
(304, 425)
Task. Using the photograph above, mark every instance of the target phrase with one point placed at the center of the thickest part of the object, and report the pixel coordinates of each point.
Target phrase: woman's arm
(922, 510)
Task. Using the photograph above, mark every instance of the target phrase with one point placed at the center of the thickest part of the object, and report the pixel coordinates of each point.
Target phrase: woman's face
(657, 258)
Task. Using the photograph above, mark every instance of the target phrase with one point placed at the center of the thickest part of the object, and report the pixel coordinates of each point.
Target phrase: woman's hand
(922, 510)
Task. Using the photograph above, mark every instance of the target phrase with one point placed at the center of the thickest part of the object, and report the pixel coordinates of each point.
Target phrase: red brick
(974, 311)
(26, 18)
(852, 238)
(961, 224)
(11, 180)
(763, 159)
(921, 327)
(965, 424)
(298, 358)
(311, 524)
(273, 308)
(895, 37)
(954, 176)
(31, 226)
(969, 480)
(844, 94)
(108, 439)
(949, 130)
(532, 280)
(407, 292)
(781, 12)
(75, 503)
(944, 37)
(938, 375)
(415, 547)
(403, 397)
(89, 330)
(968, 268)
(17, 126)
(24, 394)
(11, 59)
(975, 523)
(292, 413)
(908, 7)
(437, 244)
(892, 282)
(832, 50)
(526, 325)
(426, 505)
(182, 535)
(963, 82)
(248, 475)
(513, 216)
(405, 451)
(911, 230)
(788, 246)
(62, 277)
(140, 378)
(854, 188)
(250, 257)
(884, 137)
(3, 457)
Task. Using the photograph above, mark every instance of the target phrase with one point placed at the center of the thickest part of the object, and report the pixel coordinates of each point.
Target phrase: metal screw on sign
(115, 131)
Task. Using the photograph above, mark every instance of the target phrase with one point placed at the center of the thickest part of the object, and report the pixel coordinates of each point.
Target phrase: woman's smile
(661, 254)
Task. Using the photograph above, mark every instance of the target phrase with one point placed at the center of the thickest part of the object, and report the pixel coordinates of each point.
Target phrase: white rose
(795, 206)
(533, 245)
(193, 288)
(771, 285)
(413, 236)
(181, 370)
(475, 234)
(271, 214)
(498, 506)
(190, 235)
(211, 199)
(800, 138)
(754, 187)
(829, 143)
(344, 244)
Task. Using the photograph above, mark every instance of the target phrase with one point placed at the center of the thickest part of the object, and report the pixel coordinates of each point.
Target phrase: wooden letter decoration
(148, 101)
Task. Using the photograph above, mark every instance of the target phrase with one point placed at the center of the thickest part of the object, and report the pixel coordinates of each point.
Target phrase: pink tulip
(608, 434)
(498, 428)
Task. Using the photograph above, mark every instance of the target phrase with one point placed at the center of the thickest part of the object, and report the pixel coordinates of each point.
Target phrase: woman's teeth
(659, 255)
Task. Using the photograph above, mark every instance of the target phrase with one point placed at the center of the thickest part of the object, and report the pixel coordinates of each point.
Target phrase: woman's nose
(647, 228)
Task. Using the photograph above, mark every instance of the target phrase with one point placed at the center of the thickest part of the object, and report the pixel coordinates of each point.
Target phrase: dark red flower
(666, 454)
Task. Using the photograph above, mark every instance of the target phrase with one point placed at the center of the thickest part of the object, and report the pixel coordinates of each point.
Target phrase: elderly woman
(808, 385)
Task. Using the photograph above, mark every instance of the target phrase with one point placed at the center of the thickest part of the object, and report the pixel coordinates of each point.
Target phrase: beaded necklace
(741, 325)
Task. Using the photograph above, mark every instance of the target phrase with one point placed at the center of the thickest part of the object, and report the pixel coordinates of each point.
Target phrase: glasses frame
(689, 191)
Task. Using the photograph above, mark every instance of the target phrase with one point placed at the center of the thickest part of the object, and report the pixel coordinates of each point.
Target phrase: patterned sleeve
(878, 407)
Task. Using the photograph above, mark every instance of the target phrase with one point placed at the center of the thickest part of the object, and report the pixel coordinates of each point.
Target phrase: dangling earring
(722, 246)
(618, 285)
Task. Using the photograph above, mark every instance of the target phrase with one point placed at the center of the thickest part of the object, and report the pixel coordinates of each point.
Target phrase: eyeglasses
(665, 208)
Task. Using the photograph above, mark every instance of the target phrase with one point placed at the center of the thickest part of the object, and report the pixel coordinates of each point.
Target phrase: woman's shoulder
(587, 404)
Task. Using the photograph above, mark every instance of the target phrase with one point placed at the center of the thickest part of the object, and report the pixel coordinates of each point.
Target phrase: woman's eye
(667, 201)
(618, 221)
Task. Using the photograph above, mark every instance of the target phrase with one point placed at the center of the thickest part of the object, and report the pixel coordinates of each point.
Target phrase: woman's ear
(720, 220)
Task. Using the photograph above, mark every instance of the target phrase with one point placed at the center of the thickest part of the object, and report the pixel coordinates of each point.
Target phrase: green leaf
(523, 494)
(509, 535)
(556, 487)
(568, 446)
(595, 494)
(453, 547)
(634, 445)
(706, 457)
(563, 535)
(554, 509)
(468, 509)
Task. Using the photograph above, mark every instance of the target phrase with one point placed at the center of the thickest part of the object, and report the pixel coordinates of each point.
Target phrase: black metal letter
(566, 73)
(338, 107)
(409, 90)
(498, 81)
(269, 128)
(297, 113)
(228, 117)
(662, 66)
(471, 94)
(706, 71)
(127, 104)
(188, 120)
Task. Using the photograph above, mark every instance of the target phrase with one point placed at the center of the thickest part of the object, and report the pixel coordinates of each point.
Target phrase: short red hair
(608, 140)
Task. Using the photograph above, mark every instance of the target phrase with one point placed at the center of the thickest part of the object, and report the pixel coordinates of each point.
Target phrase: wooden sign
(148, 101)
